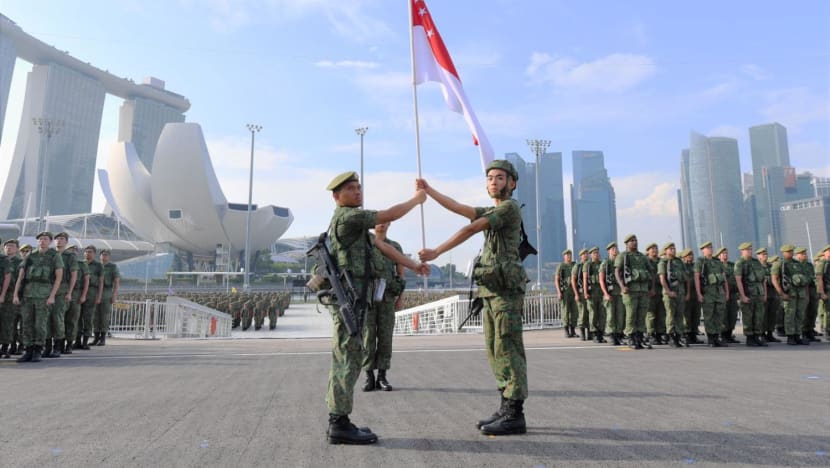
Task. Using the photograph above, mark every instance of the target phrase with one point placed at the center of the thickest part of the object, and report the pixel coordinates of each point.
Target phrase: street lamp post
(48, 127)
(362, 131)
(246, 281)
(539, 147)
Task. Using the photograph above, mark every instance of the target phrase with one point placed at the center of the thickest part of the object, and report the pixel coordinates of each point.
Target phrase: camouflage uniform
(752, 276)
(579, 294)
(823, 271)
(110, 275)
(811, 311)
(596, 309)
(380, 319)
(567, 303)
(634, 269)
(73, 312)
(676, 277)
(90, 307)
(614, 308)
(40, 269)
(691, 311)
(712, 283)
(773, 303)
(6, 313)
(791, 277)
(656, 315)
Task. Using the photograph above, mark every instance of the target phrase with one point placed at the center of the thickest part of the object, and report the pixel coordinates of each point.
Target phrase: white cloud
(647, 206)
(358, 64)
(755, 72)
(234, 153)
(612, 73)
(661, 202)
(794, 107)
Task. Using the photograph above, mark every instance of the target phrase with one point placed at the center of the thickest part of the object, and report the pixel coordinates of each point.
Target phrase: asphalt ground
(177, 403)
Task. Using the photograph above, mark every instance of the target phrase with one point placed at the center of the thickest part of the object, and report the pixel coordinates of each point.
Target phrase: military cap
(720, 251)
(105, 251)
(629, 238)
(583, 251)
(760, 251)
(801, 250)
(787, 248)
(593, 249)
(25, 247)
(705, 244)
(12, 241)
(652, 245)
(504, 165)
(773, 259)
(90, 247)
(745, 246)
(610, 246)
(825, 249)
(62, 234)
(668, 246)
(342, 179)
(45, 233)
(685, 253)
(566, 252)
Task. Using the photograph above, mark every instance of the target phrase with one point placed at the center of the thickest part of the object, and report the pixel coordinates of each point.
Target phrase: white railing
(446, 315)
(176, 318)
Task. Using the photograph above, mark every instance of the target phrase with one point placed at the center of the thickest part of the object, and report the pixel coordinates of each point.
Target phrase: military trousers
(675, 319)
(247, 317)
(8, 322)
(656, 315)
(773, 306)
(567, 304)
(72, 317)
(377, 335)
(730, 313)
(259, 317)
(35, 314)
(794, 309)
(596, 310)
(103, 313)
(502, 320)
(273, 314)
(88, 312)
(753, 316)
(636, 307)
(713, 308)
(55, 322)
(346, 361)
(584, 320)
(614, 314)
(811, 312)
(824, 314)
(691, 311)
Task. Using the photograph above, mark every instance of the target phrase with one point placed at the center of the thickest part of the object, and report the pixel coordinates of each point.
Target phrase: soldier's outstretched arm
(466, 211)
(456, 239)
(401, 209)
(392, 253)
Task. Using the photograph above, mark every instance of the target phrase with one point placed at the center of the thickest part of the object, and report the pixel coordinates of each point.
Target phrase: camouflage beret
(90, 247)
(45, 233)
(745, 246)
(773, 259)
(685, 253)
(653, 245)
(705, 244)
(760, 251)
(62, 234)
(566, 252)
(106, 251)
(826, 248)
(583, 251)
(720, 251)
(787, 248)
(593, 249)
(505, 166)
(610, 246)
(801, 250)
(342, 179)
(25, 247)
(629, 238)
(669, 245)
(12, 241)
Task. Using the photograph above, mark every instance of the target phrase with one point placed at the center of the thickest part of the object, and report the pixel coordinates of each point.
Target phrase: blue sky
(629, 78)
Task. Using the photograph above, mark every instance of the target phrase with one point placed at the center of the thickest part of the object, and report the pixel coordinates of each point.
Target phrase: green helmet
(504, 165)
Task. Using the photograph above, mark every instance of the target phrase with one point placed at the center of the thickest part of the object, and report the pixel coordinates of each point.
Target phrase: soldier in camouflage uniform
(247, 311)
(76, 300)
(808, 329)
(675, 282)
(773, 302)
(353, 252)
(823, 289)
(593, 295)
(13, 312)
(579, 291)
(712, 293)
(562, 281)
(691, 311)
(730, 315)
(273, 311)
(93, 297)
(501, 282)
(42, 272)
(612, 296)
(750, 279)
(632, 272)
(791, 282)
(6, 313)
(55, 324)
(656, 315)
(108, 293)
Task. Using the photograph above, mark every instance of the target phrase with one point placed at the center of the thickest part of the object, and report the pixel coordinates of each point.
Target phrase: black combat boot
(77, 343)
(103, 339)
(96, 340)
(791, 340)
(582, 333)
(759, 339)
(811, 335)
(654, 339)
(85, 343)
(750, 341)
(495, 416)
(13, 350)
(370, 381)
(66, 347)
(675, 340)
(47, 350)
(637, 340)
(56, 349)
(382, 383)
(573, 332)
(616, 338)
(27, 356)
(780, 332)
(4, 351)
(721, 343)
(512, 422)
(770, 338)
(802, 341)
(567, 331)
(342, 431)
(37, 353)
(646, 343)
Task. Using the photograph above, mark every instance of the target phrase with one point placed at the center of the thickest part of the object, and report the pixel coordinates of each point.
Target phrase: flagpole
(417, 123)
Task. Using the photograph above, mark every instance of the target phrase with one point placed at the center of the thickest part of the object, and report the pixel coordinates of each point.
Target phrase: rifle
(341, 287)
(475, 304)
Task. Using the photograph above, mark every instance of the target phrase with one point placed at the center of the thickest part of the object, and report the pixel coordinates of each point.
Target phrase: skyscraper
(593, 202)
(7, 58)
(687, 219)
(141, 121)
(768, 144)
(714, 181)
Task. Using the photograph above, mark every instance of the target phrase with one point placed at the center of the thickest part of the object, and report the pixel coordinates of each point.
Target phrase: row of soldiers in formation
(664, 294)
(52, 299)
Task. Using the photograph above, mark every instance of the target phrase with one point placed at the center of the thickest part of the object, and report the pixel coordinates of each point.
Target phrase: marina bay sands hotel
(71, 92)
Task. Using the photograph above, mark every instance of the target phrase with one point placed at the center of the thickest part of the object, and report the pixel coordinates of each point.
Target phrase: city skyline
(633, 87)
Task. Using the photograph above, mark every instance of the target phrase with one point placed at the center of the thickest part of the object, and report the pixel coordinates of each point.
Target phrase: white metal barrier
(176, 318)
(446, 315)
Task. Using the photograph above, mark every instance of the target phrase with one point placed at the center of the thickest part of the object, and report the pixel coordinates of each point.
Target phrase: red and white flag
(432, 62)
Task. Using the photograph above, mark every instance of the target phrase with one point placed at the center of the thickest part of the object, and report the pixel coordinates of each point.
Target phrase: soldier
(247, 311)
(773, 303)
(16, 257)
(750, 280)
(501, 278)
(791, 284)
(55, 326)
(578, 288)
(632, 272)
(656, 315)
(108, 294)
(823, 288)
(6, 313)
(273, 311)
(675, 282)
(730, 315)
(811, 312)
(350, 246)
(562, 281)
(43, 272)
(93, 297)
(612, 296)
(712, 293)
(593, 295)
(77, 298)
(380, 319)
(691, 311)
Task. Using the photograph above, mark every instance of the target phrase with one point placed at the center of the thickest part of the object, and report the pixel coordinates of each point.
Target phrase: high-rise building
(593, 202)
(141, 121)
(714, 181)
(769, 147)
(8, 56)
(821, 186)
(806, 223)
(687, 220)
